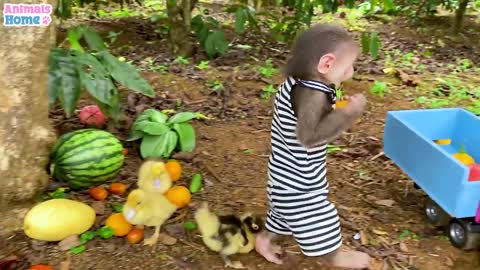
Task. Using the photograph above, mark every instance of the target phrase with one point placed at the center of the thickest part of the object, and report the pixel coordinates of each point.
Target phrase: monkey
(304, 121)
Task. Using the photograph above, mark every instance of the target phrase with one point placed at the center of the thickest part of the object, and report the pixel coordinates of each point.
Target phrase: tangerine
(118, 224)
(174, 168)
(179, 196)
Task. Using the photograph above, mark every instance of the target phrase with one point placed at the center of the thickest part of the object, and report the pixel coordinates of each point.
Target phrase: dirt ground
(232, 153)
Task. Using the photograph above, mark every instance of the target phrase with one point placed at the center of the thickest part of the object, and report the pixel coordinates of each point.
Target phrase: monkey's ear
(325, 63)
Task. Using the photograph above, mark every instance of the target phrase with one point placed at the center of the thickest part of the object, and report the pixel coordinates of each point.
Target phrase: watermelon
(86, 157)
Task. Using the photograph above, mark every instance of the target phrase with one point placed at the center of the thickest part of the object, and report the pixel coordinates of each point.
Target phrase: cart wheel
(461, 236)
(435, 214)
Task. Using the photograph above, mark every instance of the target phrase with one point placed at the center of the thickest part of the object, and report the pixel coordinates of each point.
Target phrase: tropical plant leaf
(113, 109)
(74, 35)
(171, 138)
(240, 20)
(186, 135)
(154, 128)
(216, 44)
(95, 78)
(182, 117)
(126, 74)
(94, 40)
(158, 117)
(152, 146)
(134, 135)
(63, 80)
(374, 45)
(365, 43)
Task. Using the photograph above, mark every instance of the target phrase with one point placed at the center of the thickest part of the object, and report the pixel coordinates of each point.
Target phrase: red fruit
(98, 193)
(474, 172)
(40, 267)
(117, 188)
(92, 116)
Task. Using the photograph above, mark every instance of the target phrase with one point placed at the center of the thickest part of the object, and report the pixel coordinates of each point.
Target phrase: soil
(232, 153)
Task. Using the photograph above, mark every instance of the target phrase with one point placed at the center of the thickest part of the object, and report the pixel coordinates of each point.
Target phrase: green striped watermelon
(86, 157)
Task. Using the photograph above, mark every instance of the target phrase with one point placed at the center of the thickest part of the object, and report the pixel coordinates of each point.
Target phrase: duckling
(228, 234)
(154, 177)
(149, 209)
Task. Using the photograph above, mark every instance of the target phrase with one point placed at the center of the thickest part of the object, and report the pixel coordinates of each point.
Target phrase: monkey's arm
(316, 121)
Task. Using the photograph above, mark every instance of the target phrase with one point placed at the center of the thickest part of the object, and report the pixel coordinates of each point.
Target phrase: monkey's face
(339, 66)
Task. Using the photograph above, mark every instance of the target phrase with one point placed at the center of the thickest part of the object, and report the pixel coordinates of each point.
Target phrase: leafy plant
(97, 71)
(210, 35)
(268, 91)
(216, 85)
(475, 108)
(371, 44)
(379, 88)
(268, 70)
(181, 60)
(244, 16)
(203, 65)
(161, 135)
(113, 36)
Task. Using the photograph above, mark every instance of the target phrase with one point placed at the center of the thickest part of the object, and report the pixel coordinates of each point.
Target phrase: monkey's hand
(356, 105)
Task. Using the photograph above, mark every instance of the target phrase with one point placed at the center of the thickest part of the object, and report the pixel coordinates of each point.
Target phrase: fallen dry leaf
(65, 265)
(8, 262)
(167, 239)
(376, 265)
(403, 247)
(406, 79)
(363, 238)
(99, 207)
(69, 242)
(388, 203)
(449, 261)
(379, 232)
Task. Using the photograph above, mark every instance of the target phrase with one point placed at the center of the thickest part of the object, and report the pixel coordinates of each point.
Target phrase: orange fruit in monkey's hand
(179, 196)
(340, 103)
(118, 224)
(174, 169)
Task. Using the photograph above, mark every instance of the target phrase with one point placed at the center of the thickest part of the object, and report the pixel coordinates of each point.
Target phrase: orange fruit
(117, 188)
(118, 224)
(340, 103)
(174, 169)
(179, 196)
(135, 236)
(98, 193)
(40, 267)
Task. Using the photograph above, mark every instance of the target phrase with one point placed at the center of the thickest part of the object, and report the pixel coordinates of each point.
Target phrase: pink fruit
(474, 172)
(92, 116)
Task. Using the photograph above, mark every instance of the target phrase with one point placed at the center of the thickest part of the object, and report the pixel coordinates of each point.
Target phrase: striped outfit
(297, 183)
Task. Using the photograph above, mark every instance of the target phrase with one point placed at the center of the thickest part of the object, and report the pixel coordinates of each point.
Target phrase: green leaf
(190, 225)
(63, 80)
(95, 78)
(240, 20)
(350, 3)
(186, 135)
(94, 40)
(126, 74)
(112, 110)
(157, 116)
(78, 249)
(182, 117)
(73, 36)
(365, 43)
(87, 236)
(134, 135)
(105, 232)
(117, 207)
(374, 45)
(171, 138)
(216, 44)
(388, 5)
(153, 146)
(153, 128)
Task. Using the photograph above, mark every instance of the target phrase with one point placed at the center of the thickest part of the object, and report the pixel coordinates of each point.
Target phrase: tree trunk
(25, 132)
(460, 14)
(180, 18)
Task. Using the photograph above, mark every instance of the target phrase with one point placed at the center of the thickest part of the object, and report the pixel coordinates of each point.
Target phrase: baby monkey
(304, 121)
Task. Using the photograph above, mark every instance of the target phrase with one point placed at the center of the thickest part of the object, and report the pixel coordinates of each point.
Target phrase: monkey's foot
(234, 264)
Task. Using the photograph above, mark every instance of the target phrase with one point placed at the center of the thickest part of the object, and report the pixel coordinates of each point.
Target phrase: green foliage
(371, 44)
(210, 35)
(216, 85)
(70, 70)
(203, 65)
(244, 16)
(268, 70)
(379, 89)
(181, 60)
(268, 91)
(371, 7)
(161, 135)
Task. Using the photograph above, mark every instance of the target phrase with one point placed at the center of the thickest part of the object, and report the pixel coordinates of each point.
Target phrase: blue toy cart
(453, 200)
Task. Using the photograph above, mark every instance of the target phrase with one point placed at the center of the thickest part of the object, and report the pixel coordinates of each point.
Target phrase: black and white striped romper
(297, 183)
